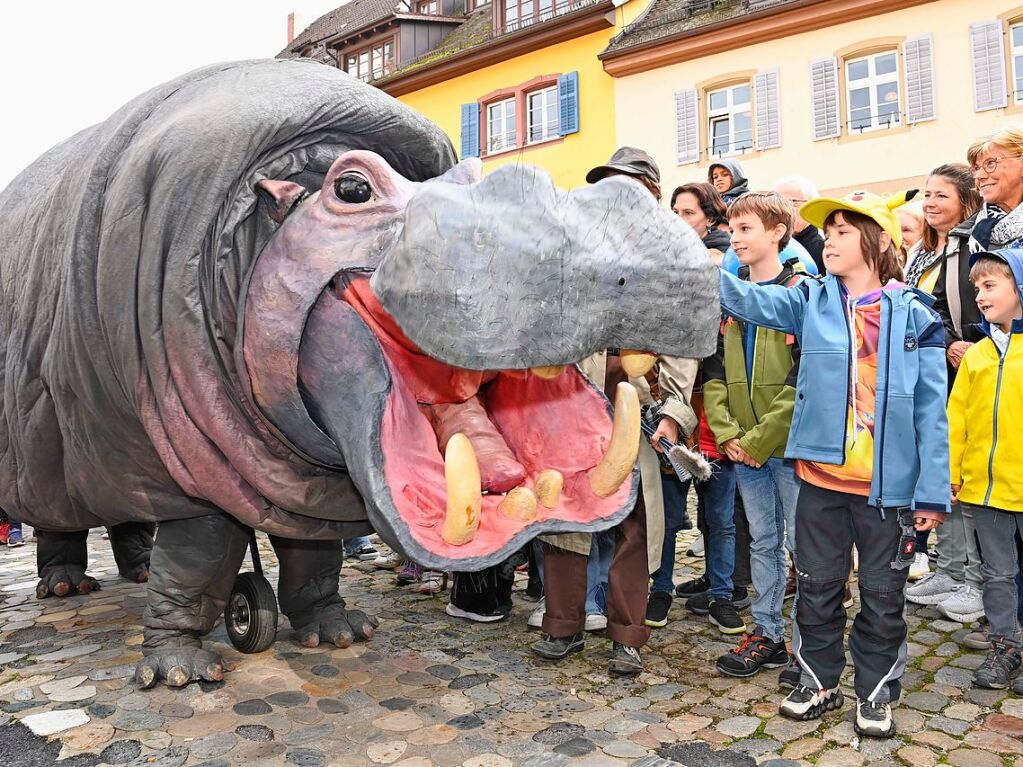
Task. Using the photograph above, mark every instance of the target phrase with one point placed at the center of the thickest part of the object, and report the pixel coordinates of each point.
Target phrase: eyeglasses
(989, 164)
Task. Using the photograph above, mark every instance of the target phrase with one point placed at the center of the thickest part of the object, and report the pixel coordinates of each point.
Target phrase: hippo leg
(307, 590)
(61, 559)
(131, 543)
(193, 568)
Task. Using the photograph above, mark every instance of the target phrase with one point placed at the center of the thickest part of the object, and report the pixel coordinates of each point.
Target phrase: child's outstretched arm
(930, 418)
(770, 306)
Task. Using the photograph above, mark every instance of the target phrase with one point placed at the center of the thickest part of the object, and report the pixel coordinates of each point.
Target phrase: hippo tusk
(547, 372)
(616, 465)
(637, 364)
(548, 486)
(519, 503)
(465, 497)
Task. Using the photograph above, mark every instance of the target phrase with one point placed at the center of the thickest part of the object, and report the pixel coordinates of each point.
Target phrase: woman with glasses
(997, 165)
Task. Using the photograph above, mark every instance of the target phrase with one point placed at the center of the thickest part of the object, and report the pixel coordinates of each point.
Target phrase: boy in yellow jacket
(985, 411)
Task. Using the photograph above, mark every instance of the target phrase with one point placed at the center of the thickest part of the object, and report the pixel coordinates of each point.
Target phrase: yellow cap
(869, 204)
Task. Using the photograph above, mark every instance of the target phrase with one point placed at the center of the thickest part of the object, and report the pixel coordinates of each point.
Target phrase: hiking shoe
(753, 654)
(804, 703)
(724, 615)
(625, 660)
(921, 566)
(693, 588)
(14, 538)
(1017, 685)
(535, 619)
(741, 598)
(657, 607)
(965, 605)
(457, 612)
(595, 622)
(789, 678)
(697, 547)
(999, 668)
(935, 588)
(557, 648)
(874, 719)
(699, 605)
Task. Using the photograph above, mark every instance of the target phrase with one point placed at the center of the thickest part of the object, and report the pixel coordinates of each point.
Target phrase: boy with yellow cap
(870, 440)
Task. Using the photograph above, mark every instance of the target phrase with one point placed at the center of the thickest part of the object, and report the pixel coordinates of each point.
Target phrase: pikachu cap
(868, 204)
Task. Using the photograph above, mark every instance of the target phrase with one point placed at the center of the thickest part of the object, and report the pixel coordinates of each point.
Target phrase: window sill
(849, 138)
(524, 147)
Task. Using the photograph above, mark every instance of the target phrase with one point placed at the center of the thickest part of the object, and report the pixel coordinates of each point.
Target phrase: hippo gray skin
(264, 296)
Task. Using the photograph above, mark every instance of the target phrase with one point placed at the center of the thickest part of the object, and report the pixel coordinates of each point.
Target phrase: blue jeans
(719, 513)
(598, 565)
(675, 493)
(352, 545)
(769, 495)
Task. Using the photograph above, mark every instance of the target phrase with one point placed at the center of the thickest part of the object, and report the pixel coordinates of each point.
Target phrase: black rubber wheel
(251, 613)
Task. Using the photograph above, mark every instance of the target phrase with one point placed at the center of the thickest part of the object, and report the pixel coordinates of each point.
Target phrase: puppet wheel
(251, 614)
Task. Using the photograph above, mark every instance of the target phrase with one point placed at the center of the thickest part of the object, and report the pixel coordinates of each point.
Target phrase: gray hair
(808, 189)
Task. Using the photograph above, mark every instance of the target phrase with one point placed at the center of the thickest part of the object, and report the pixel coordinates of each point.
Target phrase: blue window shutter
(568, 103)
(470, 130)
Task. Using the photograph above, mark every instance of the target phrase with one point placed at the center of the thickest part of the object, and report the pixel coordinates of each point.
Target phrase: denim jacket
(911, 456)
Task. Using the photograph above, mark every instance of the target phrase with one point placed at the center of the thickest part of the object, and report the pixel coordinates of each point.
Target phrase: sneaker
(430, 582)
(594, 622)
(699, 605)
(847, 599)
(789, 678)
(657, 608)
(535, 620)
(625, 660)
(556, 648)
(457, 612)
(741, 598)
(696, 548)
(724, 615)
(387, 561)
(965, 605)
(921, 566)
(693, 588)
(1017, 685)
(935, 588)
(365, 553)
(999, 668)
(804, 703)
(5, 530)
(874, 719)
(753, 653)
(14, 538)
(409, 572)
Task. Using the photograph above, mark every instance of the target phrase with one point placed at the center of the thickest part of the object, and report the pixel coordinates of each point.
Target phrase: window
(371, 63)
(501, 125)
(472, 5)
(730, 120)
(522, 13)
(1016, 40)
(872, 91)
(427, 7)
(542, 116)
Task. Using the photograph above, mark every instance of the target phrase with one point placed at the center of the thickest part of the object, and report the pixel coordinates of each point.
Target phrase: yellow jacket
(985, 413)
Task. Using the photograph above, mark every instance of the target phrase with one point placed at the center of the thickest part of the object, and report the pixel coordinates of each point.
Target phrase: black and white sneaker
(789, 678)
(657, 608)
(556, 648)
(874, 719)
(753, 654)
(724, 615)
(625, 660)
(694, 587)
(457, 612)
(804, 703)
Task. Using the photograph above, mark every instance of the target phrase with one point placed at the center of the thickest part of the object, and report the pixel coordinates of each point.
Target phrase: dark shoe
(556, 648)
(1017, 685)
(657, 607)
(874, 719)
(804, 703)
(693, 588)
(789, 678)
(753, 653)
(999, 668)
(625, 660)
(687, 522)
(741, 598)
(724, 615)
(699, 605)
(455, 611)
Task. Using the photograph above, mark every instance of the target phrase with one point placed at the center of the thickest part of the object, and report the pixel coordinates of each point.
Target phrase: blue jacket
(911, 458)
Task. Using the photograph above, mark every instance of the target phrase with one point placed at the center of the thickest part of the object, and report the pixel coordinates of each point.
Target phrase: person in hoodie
(727, 177)
(872, 463)
(986, 446)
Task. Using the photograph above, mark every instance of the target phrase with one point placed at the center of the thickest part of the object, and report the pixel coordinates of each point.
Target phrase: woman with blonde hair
(996, 162)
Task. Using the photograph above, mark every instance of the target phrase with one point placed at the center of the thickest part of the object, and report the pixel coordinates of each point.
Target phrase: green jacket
(759, 416)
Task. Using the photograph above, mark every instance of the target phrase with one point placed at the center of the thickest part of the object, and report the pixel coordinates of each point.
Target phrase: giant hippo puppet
(265, 296)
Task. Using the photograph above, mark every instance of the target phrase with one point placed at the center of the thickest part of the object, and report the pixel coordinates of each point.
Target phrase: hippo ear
(280, 196)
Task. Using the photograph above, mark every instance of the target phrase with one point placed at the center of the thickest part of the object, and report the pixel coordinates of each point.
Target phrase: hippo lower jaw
(523, 453)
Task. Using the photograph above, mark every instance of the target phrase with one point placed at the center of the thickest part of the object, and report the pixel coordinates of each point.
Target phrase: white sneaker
(430, 582)
(696, 547)
(920, 567)
(965, 605)
(935, 588)
(387, 561)
(595, 622)
(536, 617)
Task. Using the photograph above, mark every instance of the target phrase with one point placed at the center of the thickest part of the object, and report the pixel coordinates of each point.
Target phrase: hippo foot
(64, 581)
(338, 626)
(138, 574)
(177, 666)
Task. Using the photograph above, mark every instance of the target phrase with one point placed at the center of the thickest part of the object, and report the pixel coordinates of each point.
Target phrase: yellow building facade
(852, 93)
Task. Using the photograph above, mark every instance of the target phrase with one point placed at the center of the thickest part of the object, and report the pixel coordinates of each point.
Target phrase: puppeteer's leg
(132, 543)
(193, 568)
(61, 559)
(307, 591)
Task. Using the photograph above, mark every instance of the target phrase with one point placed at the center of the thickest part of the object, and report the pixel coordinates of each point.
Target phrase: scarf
(920, 261)
(997, 229)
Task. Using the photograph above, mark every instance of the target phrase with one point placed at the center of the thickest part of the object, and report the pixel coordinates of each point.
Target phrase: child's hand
(737, 454)
(955, 493)
(668, 429)
(925, 524)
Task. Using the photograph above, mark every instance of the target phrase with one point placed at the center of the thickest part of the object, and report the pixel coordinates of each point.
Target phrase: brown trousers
(564, 582)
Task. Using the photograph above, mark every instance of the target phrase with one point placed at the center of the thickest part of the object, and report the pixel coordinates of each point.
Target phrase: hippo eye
(353, 188)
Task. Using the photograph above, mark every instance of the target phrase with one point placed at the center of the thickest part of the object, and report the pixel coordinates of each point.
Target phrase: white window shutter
(768, 125)
(918, 57)
(824, 98)
(687, 126)
(987, 55)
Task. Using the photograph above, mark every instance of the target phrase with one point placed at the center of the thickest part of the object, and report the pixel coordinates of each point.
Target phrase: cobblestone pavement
(435, 690)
